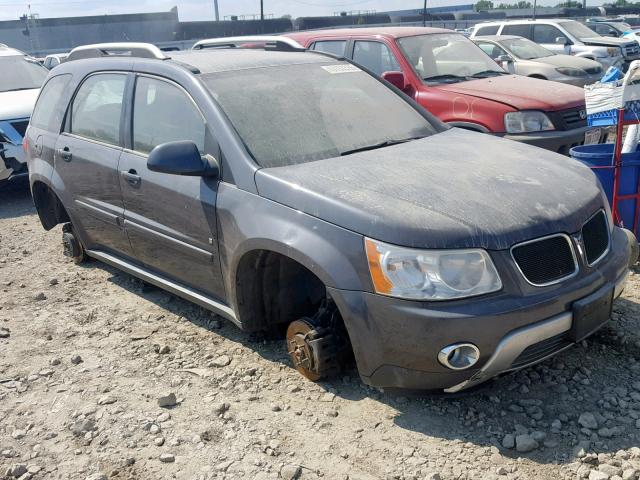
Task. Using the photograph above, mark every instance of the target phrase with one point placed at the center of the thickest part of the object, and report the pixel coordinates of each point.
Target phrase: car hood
(521, 93)
(606, 41)
(18, 104)
(456, 189)
(567, 61)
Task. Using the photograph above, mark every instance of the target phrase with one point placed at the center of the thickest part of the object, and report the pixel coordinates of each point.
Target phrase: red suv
(455, 80)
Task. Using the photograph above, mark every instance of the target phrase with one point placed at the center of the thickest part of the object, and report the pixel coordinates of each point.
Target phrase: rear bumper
(560, 141)
(396, 342)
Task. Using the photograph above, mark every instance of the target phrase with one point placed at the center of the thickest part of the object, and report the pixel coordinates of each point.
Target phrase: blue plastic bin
(601, 155)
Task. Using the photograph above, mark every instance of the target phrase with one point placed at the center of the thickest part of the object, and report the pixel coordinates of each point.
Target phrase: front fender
(248, 222)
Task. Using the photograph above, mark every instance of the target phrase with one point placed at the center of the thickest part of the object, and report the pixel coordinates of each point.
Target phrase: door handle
(65, 154)
(131, 176)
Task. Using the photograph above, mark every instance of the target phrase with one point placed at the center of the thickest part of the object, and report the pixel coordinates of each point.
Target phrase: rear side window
(163, 113)
(375, 56)
(488, 30)
(521, 30)
(49, 110)
(335, 47)
(97, 108)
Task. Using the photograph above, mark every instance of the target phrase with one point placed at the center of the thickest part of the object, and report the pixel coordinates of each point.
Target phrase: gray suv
(293, 189)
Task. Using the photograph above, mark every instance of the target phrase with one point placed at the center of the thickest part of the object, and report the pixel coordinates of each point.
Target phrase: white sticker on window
(341, 68)
(151, 94)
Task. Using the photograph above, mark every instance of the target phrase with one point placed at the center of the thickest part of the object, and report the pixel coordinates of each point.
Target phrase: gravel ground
(102, 376)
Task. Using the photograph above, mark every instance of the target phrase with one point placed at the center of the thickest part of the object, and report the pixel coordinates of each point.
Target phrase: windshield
(19, 73)
(620, 26)
(579, 30)
(525, 49)
(447, 57)
(302, 113)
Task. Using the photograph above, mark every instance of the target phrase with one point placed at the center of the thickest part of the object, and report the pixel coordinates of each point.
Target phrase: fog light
(459, 356)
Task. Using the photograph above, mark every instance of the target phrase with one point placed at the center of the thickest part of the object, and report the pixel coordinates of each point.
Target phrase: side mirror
(396, 79)
(182, 158)
(562, 41)
(504, 59)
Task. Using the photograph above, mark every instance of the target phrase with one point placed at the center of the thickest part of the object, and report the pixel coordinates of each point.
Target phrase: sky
(203, 9)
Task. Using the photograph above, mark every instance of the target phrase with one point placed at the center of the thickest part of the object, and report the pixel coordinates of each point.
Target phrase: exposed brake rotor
(299, 334)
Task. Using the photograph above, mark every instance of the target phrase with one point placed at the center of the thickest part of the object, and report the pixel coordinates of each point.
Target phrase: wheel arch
(271, 287)
(474, 127)
(252, 227)
(50, 209)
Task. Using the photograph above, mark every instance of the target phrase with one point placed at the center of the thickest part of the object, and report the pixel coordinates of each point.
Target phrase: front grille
(574, 118)
(538, 351)
(632, 50)
(595, 236)
(20, 126)
(593, 70)
(545, 261)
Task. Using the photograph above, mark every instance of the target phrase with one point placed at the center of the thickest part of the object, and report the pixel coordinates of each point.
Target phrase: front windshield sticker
(342, 68)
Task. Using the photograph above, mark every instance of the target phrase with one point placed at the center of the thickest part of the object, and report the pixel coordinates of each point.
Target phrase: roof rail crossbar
(269, 42)
(125, 49)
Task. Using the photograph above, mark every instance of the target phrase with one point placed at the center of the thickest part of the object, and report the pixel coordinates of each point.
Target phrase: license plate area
(590, 313)
(592, 137)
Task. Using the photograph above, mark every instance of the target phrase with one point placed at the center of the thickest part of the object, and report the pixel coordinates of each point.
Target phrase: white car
(20, 82)
(54, 60)
(633, 34)
(568, 37)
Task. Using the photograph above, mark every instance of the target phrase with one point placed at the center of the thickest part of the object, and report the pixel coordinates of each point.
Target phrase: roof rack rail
(124, 49)
(268, 42)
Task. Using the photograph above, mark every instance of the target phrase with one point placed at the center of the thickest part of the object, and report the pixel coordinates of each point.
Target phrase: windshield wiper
(487, 73)
(386, 143)
(446, 77)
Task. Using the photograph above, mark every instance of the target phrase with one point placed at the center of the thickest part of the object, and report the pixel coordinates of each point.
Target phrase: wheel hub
(300, 351)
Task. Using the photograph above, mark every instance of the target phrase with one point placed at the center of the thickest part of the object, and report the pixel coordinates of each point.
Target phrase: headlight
(430, 274)
(614, 51)
(571, 72)
(527, 121)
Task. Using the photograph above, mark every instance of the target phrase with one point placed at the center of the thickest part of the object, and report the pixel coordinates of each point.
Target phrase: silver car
(524, 57)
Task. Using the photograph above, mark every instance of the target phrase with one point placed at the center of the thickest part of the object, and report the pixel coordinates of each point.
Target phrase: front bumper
(607, 62)
(578, 81)
(13, 161)
(396, 342)
(560, 141)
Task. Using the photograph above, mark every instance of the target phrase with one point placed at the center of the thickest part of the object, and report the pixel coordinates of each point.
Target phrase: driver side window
(163, 113)
(491, 49)
(376, 57)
